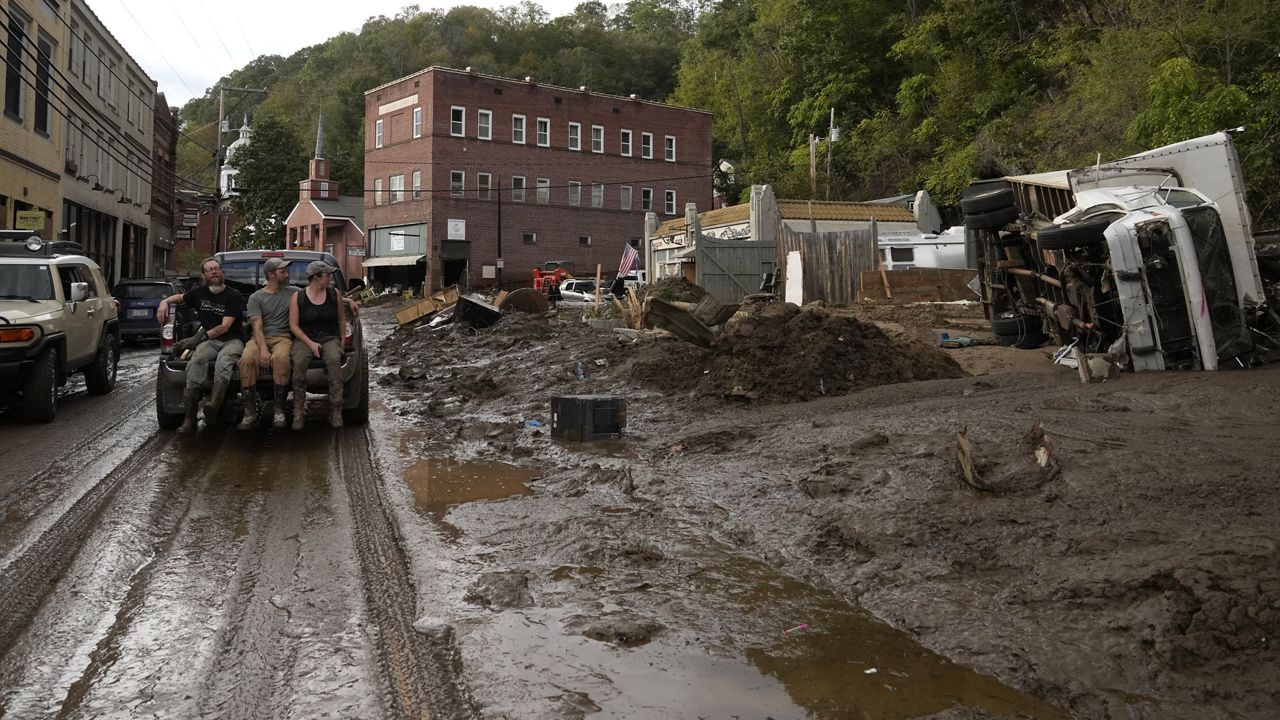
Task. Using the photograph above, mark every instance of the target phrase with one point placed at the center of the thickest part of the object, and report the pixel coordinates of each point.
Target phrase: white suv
(57, 317)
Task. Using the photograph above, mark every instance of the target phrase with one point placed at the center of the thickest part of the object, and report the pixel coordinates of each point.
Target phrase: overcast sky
(186, 45)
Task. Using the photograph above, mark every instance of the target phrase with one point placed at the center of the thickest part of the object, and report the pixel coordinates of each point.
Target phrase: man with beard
(220, 310)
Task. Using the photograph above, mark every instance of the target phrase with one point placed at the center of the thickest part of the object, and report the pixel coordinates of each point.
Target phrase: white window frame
(396, 186)
(517, 188)
(458, 127)
(544, 191)
(575, 192)
(646, 199)
(624, 199)
(624, 143)
(484, 186)
(377, 133)
(646, 146)
(669, 202)
(669, 148)
(522, 129)
(457, 183)
(597, 195)
(597, 134)
(417, 184)
(417, 122)
(543, 132)
(575, 136)
(484, 124)
(377, 191)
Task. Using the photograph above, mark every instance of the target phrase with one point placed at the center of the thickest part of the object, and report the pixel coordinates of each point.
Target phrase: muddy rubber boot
(213, 405)
(299, 406)
(281, 395)
(335, 398)
(191, 404)
(249, 398)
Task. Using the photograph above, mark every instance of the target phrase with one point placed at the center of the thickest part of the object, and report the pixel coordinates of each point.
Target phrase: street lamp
(96, 184)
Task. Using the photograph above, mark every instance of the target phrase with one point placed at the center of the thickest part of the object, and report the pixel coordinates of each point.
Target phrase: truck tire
(359, 383)
(987, 201)
(993, 219)
(40, 391)
(1028, 341)
(100, 375)
(1016, 325)
(1076, 235)
(166, 421)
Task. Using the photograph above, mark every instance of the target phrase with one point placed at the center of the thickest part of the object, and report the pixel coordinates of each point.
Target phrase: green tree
(269, 169)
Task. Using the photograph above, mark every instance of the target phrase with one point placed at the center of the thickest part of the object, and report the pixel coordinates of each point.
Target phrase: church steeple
(320, 137)
(317, 185)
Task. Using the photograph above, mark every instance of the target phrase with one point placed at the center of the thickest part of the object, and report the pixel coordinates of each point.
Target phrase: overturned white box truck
(1151, 257)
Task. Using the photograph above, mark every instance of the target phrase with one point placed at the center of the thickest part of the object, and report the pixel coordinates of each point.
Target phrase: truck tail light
(166, 336)
(348, 336)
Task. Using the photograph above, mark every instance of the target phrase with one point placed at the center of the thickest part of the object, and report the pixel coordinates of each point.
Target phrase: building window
(517, 129)
(17, 39)
(625, 201)
(625, 142)
(484, 124)
(377, 191)
(44, 61)
(584, 240)
(646, 199)
(457, 183)
(544, 191)
(517, 188)
(670, 206)
(377, 134)
(484, 185)
(324, 188)
(575, 136)
(544, 132)
(457, 121)
(417, 122)
(671, 148)
(73, 49)
(397, 188)
(597, 139)
(597, 196)
(417, 184)
(646, 146)
(530, 238)
(575, 192)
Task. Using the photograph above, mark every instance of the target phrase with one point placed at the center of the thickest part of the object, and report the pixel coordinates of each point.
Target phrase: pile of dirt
(673, 289)
(783, 353)
(920, 314)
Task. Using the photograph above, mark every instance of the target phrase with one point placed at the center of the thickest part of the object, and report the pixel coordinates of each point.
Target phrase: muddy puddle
(441, 483)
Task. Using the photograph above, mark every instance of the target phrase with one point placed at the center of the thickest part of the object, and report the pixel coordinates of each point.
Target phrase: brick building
(477, 179)
(324, 220)
(164, 173)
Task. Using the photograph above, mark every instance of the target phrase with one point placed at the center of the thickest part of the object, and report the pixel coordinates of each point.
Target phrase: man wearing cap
(220, 309)
(317, 317)
(270, 344)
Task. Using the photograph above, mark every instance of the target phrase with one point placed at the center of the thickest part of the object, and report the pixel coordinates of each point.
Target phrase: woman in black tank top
(317, 317)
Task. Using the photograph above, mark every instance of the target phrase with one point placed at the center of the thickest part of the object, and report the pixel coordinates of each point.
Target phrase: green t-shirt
(273, 308)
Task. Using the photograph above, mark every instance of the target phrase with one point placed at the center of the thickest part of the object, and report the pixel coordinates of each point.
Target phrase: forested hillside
(927, 93)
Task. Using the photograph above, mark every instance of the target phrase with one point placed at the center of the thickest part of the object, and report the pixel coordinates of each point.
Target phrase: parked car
(56, 318)
(578, 291)
(139, 298)
(242, 270)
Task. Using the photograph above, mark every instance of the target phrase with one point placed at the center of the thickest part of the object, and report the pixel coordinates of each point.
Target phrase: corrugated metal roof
(796, 210)
(1053, 179)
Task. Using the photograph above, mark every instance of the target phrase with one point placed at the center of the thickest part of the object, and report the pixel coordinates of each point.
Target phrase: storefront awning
(393, 260)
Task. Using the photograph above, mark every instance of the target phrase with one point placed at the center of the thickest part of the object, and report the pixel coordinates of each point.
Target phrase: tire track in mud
(422, 672)
(26, 580)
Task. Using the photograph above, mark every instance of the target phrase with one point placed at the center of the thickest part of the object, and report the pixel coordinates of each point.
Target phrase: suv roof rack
(25, 243)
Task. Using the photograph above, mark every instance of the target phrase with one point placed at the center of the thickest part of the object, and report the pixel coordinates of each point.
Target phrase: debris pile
(673, 289)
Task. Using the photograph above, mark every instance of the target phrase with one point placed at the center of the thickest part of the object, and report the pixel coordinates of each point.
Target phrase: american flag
(629, 258)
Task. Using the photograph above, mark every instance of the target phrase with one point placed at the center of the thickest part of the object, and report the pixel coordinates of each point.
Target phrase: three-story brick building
(477, 179)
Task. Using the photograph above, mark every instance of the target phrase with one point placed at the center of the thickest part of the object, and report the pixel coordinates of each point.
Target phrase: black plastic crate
(588, 417)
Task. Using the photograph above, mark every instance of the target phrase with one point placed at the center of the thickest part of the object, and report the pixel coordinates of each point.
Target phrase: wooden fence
(831, 263)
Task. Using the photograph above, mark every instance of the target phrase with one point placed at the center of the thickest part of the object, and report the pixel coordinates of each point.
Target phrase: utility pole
(500, 262)
(219, 242)
(832, 135)
(813, 166)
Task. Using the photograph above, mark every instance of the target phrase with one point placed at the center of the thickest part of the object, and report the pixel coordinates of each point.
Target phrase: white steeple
(227, 179)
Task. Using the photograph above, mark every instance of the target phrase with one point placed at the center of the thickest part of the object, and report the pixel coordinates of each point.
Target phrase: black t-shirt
(211, 307)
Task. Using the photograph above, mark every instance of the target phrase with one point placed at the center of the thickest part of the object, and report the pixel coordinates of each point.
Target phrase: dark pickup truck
(243, 271)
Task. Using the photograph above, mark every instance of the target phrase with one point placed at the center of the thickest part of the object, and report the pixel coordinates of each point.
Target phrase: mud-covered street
(732, 556)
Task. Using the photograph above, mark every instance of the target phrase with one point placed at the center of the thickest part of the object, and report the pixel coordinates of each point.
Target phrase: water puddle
(441, 483)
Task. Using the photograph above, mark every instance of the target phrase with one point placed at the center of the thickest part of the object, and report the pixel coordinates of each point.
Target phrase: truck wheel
(40, 391)
(993, 219)
(984, 202)
(1016, 325)
(1029, 341)
(167, 421)
(1076, 235)
(100, 376)
(359, 383)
